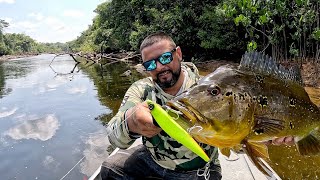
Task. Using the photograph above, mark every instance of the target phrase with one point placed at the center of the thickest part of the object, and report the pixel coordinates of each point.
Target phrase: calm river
(51, 120)
(51, 117)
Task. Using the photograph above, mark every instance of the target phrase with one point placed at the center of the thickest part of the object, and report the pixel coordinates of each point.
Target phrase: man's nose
(159, 65)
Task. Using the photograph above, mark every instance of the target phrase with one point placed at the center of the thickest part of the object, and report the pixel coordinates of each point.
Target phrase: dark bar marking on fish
(241, 96)
(293, 102)
(259, 79)
(259, 131)
(291, 125)
(263, 101)
(228, 93)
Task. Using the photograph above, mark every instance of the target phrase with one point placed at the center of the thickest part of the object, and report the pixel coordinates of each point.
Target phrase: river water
(52, 115)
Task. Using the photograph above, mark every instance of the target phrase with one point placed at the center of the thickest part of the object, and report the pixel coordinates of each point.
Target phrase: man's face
(166, 75)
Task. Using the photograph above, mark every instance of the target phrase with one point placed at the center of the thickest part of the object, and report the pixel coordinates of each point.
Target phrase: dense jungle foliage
(205, 29)
(208, 29)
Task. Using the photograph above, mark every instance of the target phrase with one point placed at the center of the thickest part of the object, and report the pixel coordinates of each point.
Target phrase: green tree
(3, 48)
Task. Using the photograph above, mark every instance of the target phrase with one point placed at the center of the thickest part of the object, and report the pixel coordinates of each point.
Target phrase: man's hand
(287, 140)
(140, 121)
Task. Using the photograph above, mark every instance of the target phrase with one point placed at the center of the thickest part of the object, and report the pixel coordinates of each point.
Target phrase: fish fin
(225, 151)
(269, 126)
(237, 149)
(258, 149)
(255, 151)
(310, 144)
(263, 64)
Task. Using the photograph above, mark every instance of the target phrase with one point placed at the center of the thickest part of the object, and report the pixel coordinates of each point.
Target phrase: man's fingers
(278, 141)
(289, 140)
(150, 134)
(150, 127)
(150, 130)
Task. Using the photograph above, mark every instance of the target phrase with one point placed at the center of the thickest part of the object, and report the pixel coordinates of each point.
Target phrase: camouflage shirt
(167, 152)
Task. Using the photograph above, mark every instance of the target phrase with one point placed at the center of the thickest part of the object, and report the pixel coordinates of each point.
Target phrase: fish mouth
(184, 109)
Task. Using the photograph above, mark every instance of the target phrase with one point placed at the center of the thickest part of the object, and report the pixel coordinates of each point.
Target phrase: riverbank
(8, 57)
(310, 71)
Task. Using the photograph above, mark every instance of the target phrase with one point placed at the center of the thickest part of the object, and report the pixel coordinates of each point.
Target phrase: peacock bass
(245, 106)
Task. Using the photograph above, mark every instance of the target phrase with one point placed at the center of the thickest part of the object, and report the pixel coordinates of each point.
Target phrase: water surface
(50, 116)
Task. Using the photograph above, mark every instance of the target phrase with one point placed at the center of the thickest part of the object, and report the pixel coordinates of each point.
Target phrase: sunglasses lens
(150, 65)
(165, 58)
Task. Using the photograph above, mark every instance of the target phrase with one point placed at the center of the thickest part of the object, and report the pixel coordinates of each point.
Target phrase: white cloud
(53, 22)
(28, 26)
(50, 28)
(73, 13)
(37, 16)
(21, 27)
(7, 1)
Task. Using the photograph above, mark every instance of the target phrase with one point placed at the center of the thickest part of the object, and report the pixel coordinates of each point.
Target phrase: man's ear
(179, 53)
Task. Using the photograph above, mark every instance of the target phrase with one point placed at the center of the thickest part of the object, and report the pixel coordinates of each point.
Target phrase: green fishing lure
(174, 130)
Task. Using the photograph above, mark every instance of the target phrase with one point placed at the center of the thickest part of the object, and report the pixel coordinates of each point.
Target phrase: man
(160, 156)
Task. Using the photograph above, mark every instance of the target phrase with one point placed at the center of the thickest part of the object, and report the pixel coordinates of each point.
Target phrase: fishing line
(73, 167)
(122, 123)
(245, 159)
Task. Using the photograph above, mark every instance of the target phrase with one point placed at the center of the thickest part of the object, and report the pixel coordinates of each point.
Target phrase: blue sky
(48, 20)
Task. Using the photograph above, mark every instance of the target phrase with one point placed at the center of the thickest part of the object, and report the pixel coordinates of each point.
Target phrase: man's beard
(169, 83)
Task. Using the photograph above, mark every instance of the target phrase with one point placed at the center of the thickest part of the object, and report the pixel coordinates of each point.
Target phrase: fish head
(217, 107)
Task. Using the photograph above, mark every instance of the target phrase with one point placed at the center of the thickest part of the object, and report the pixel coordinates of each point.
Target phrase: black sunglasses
(165, 58)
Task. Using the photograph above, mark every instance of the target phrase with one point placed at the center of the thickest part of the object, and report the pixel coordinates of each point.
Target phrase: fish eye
(214, 91)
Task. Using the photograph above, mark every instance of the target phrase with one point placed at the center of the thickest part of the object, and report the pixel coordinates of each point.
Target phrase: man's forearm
(118, 132)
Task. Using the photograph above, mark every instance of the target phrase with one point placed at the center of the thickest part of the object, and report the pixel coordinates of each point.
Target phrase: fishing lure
(174, 130)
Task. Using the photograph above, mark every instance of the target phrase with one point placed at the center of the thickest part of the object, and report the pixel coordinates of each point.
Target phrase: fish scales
(248, 105)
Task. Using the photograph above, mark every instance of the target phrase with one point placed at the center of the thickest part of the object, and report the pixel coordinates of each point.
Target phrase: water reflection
(50, 163)
(47, 117)
(77, 90)
(2, 81)
(95, 152)
(5, 112)
(110, 86)
(42, 129)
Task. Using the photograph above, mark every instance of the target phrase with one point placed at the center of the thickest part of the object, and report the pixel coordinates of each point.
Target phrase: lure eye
(214, 91)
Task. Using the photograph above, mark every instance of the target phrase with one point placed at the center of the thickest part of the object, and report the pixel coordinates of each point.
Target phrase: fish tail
(310, 144)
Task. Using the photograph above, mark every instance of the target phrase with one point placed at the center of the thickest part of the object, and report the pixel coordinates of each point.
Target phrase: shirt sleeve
(117, 127)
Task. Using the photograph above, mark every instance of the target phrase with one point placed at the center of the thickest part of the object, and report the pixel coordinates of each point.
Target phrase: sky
(48, 20)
